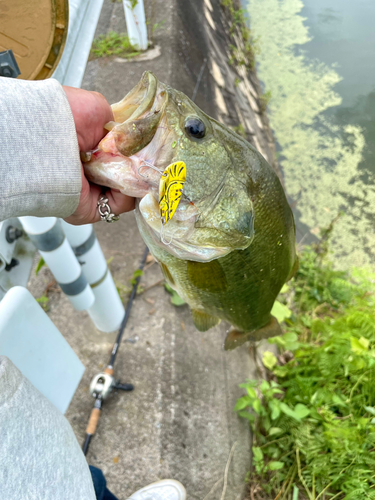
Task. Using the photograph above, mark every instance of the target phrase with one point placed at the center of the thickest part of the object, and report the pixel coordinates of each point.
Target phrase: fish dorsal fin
(204, 321)
(236, 338)
(207, 276)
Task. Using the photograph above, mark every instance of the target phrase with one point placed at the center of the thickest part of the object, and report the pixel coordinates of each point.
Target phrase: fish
(229, 244)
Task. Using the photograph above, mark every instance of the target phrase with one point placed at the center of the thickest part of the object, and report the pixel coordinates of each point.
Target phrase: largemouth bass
(229, 245)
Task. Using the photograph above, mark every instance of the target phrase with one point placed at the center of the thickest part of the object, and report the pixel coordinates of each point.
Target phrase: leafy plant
(265, 100)
(113, 44)
(43, 301)
(313, 420)
(39, 266)
(176, 300)
(246, 55)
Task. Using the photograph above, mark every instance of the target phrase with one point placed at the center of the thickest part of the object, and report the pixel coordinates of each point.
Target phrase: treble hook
(149, 165)
(162, 236)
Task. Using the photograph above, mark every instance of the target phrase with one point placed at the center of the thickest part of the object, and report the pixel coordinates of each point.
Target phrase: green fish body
(230, 246)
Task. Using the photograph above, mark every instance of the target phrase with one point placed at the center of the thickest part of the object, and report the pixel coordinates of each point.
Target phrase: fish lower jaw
(174, 236)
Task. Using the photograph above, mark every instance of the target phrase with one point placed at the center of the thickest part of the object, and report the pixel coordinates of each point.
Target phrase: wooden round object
(35, 30)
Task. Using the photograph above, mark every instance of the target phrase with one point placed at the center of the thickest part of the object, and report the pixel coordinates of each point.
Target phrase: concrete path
(179, 421)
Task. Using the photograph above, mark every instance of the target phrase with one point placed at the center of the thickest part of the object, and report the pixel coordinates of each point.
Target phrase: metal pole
(136, 23)
(47, 235)
(107, 312)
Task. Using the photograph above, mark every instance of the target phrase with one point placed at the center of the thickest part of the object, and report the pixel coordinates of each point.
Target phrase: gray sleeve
(40, 168)
(40, 458)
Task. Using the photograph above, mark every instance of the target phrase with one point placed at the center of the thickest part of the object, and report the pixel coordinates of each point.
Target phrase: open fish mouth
(132, 158)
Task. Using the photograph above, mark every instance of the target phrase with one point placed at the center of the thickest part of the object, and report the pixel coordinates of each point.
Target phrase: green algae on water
(320, 159)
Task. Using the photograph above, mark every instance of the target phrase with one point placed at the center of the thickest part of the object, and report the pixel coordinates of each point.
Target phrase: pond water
(317, 58)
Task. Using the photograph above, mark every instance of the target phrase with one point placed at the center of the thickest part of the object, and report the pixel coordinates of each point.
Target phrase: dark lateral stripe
(86, 246)
(75, 287)
(50, 240)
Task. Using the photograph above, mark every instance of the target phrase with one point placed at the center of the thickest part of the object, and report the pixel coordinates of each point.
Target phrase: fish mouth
(139, 100)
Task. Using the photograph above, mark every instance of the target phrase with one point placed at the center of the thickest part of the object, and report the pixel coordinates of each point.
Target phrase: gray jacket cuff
(40, 168)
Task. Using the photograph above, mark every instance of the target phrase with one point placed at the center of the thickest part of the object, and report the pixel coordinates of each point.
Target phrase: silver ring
(105, 210)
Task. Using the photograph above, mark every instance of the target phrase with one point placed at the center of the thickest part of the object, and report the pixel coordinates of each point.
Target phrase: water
(317, 57)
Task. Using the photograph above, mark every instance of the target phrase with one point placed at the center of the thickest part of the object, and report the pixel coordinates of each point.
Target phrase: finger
(119, 202)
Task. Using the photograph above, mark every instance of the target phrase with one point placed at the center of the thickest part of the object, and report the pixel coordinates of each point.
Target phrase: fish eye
(195, 127)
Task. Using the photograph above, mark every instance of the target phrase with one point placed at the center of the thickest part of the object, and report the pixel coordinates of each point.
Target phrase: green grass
(113, 44)
(313, 420)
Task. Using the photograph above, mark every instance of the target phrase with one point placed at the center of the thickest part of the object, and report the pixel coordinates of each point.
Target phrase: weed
(39, 266)
(175, 299)
(43, 301)
(314, 418)
(132, 3)
(246, 55)
(113, 44)
(240, 130)
(264, 100)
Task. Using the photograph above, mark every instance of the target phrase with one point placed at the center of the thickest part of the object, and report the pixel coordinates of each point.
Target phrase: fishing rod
(103, 383)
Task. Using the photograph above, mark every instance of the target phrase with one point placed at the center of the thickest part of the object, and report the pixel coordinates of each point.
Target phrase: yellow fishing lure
(170, 189)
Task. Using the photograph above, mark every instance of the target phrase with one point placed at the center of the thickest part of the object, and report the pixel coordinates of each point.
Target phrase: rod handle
(109, 371)
(93, 422)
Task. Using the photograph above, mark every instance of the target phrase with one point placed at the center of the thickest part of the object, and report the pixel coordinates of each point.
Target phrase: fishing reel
(104, 383)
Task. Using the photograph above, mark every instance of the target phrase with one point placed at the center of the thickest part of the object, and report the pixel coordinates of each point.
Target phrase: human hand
(91, 112)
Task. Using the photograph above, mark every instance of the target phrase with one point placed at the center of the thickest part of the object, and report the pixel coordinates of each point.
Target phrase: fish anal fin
(236, 338)
(204, 321)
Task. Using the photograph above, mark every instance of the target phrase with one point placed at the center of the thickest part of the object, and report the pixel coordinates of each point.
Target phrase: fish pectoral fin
(207, 276)
(236, 338)
(204, 321)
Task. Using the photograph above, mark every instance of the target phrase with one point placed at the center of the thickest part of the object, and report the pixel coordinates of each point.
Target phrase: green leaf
(174, 143)
(359, 346)
(256, 405)
(257, 453)
(245, 414)
(269, 360)
(275, 465)
(301, 410)
(137, 273)
(370, 409)
(39, 266)
(295, 492)
(176, 300)
(264, 386)
(274, 404)
(251, 392)
(241, 403)
(280, 311)
(288, 411)
(274, 430)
